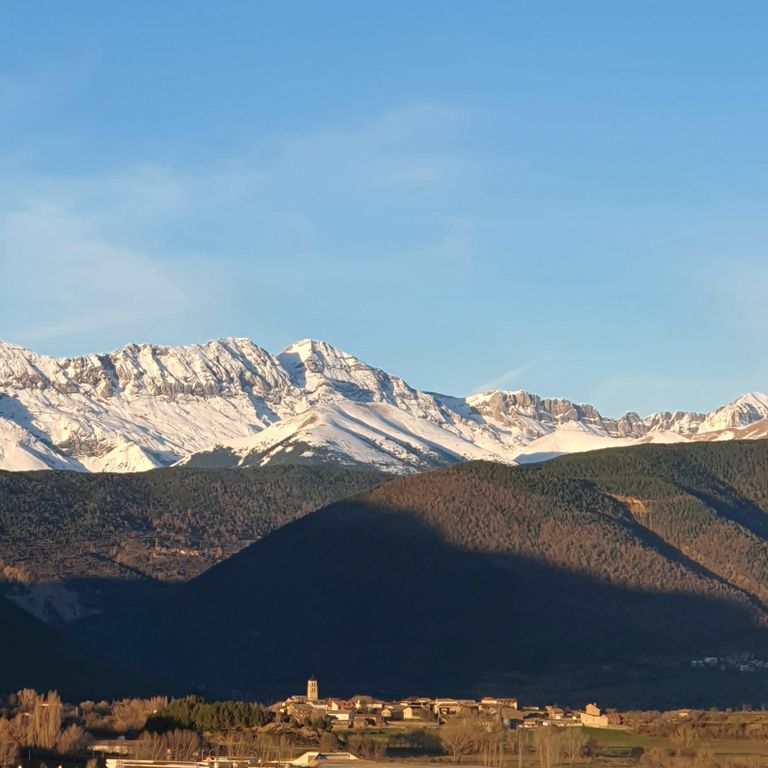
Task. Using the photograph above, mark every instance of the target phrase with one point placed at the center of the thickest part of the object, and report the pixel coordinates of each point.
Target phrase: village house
(393, 712)
(300, 710)
(417, 708)
(446, 707)
(593, 717)
(493, 705)
(340, 716)
(512, 718)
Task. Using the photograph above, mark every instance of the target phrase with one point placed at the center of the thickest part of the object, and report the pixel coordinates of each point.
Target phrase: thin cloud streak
(505, 378)
(147, 242)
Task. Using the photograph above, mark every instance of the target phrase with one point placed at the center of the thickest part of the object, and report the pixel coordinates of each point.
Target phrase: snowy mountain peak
(231, 401)
(21, 368)
(756, 400)
(321, 357)
(306, 348)
(743, 411)
(325, 373)
(7, 347)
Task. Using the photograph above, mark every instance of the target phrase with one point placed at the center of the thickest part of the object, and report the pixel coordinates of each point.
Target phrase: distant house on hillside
(593, 717)
(341, 716)
(300, 710)
(416, 709)
(443, 707)
(511, 717)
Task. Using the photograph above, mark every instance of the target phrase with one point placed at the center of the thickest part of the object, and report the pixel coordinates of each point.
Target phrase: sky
(568, 198)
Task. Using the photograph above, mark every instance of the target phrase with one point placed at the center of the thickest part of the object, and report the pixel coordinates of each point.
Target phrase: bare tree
(270, 747)
(329, 742)
(458, 735)
(70, 740)
(47, 720)
(177, 744)
(183, 744)
(149, 746)
(26, 699)
(368, 747)
(38, 721)
(547, 743)
(491, 744)
(132, 714)
(520, 746)
(573, 742)
(9, 744)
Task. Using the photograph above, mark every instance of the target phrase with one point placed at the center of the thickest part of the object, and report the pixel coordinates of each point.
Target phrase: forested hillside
(480, 577)
(74, 544)
(624, 515)
(168, 524)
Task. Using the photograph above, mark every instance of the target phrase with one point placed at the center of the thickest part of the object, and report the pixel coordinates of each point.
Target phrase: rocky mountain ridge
(231, 403)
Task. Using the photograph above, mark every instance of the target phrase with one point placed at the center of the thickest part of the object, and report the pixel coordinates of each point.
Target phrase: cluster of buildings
(362, 712)
(734, 662)
(370, 712)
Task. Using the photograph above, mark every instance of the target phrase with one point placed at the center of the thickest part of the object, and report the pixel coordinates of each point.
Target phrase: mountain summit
(231, 403)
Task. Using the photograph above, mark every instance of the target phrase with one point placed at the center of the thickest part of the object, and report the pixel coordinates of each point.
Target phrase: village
(363, 712)
(306, 730)
(445, 721)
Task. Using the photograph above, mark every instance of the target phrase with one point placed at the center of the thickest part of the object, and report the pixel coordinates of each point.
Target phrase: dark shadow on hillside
(731, 505)
(670, 552)
(372, 599)
(35, 655)
(65, 602)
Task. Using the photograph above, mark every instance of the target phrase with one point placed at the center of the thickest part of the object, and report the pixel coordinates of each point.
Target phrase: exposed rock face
(516, 409)
(149, 405)
(222, 367)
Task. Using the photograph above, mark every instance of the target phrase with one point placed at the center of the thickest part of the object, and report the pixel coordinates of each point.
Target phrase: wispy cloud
(144, 245)
(413, 177)
(63, 276)
(506, 378)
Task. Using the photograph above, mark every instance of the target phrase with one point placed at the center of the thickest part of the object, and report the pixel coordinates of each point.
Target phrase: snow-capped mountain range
(232, 403)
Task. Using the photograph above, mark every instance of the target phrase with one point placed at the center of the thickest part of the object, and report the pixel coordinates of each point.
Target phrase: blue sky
(564, 197)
